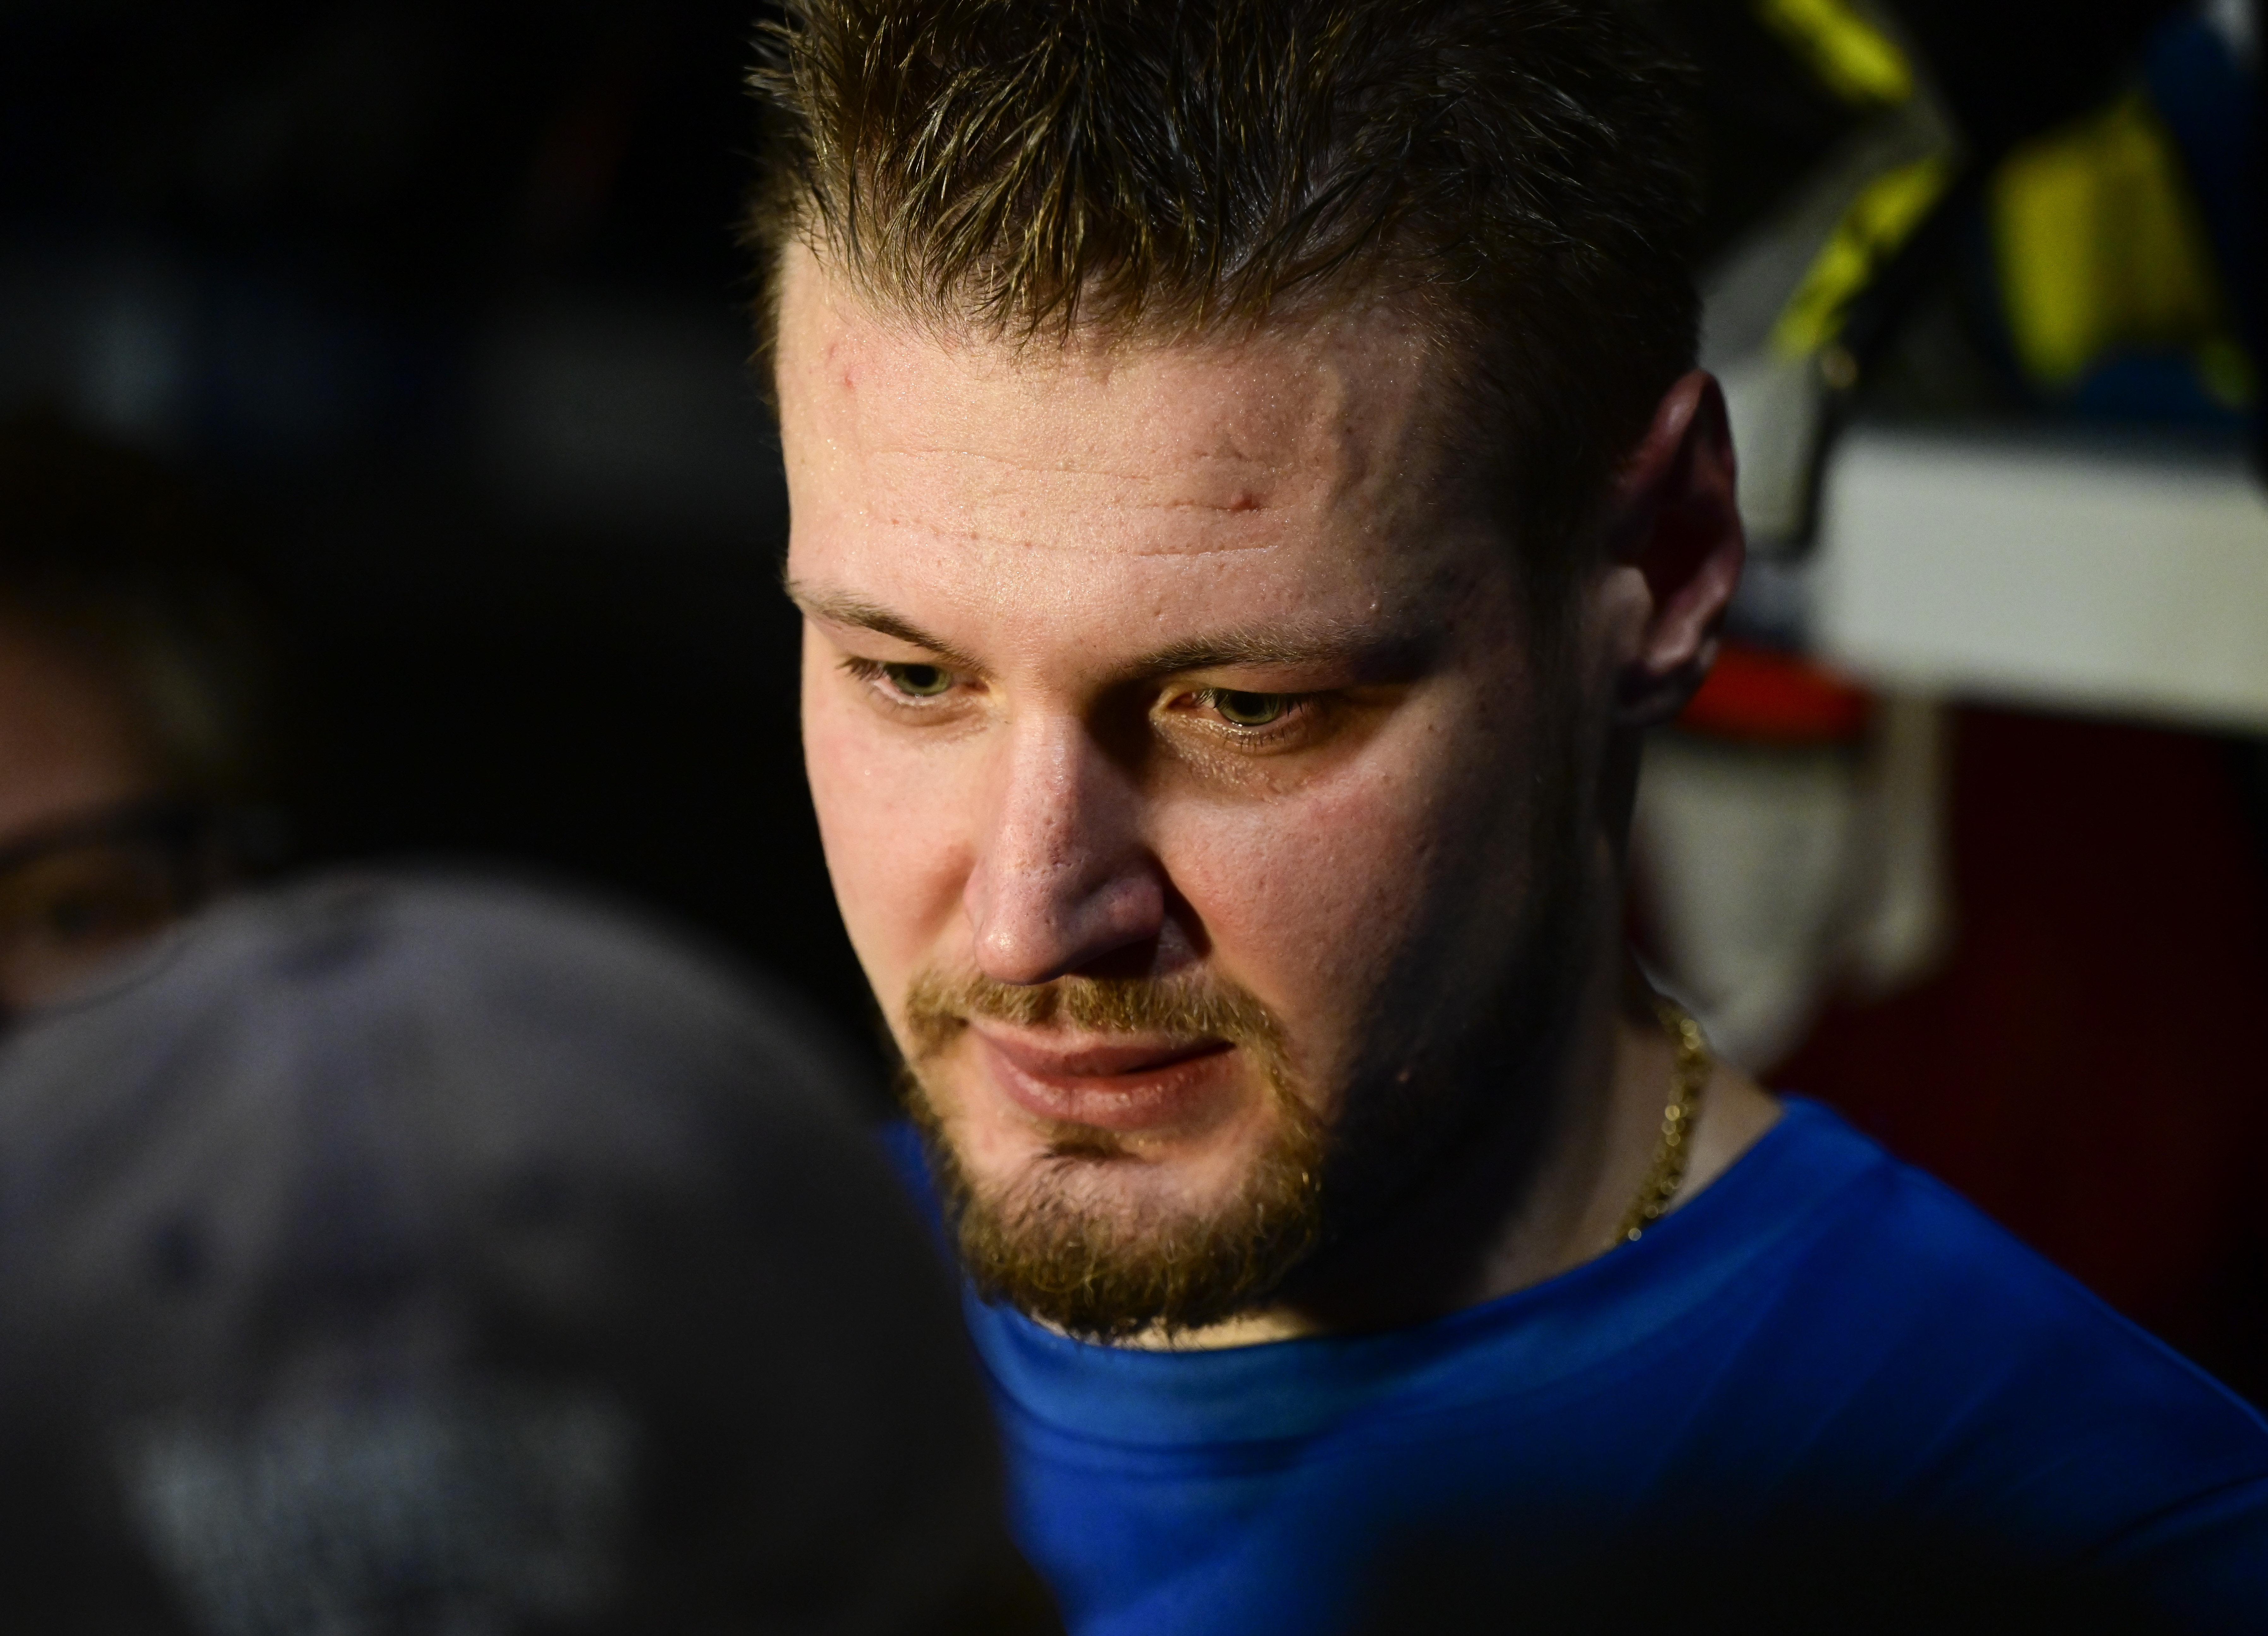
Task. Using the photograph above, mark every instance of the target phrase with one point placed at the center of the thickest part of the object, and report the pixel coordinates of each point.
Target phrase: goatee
(1042, 1242)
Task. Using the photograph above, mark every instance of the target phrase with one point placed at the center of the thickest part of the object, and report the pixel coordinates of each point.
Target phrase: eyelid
(1302, 714)
(875, 674)
(1215, 697)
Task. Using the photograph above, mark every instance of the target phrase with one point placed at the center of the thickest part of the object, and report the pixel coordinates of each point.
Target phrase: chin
(1106, 1179)
(1105, 1235)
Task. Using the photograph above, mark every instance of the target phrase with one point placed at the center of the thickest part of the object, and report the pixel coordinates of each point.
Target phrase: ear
(1675, 547)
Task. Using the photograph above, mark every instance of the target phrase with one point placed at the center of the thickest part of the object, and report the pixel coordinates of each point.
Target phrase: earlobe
(1678, 539)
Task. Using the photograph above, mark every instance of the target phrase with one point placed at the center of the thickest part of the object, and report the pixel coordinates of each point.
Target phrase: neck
(1542, 1187)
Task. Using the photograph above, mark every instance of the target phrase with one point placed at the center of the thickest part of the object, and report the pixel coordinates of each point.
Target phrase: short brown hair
(1517, 168)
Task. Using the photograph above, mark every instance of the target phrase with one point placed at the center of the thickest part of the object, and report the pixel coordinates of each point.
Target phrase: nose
(1063, 879)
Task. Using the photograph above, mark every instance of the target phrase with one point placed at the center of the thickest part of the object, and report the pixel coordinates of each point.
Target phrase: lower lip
(1173, 1093)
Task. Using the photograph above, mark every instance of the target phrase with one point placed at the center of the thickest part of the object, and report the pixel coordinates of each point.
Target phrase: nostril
(1129, 962)
(1037, 936)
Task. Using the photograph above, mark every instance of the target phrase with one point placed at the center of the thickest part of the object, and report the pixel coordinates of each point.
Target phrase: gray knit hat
(409, 1254)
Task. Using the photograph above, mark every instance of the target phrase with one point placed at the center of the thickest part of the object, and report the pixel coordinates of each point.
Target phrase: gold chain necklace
(1694, 1066)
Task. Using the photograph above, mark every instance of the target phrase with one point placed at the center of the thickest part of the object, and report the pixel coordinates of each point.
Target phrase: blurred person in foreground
(424, 1257)
(134, 707)
(1251, 494)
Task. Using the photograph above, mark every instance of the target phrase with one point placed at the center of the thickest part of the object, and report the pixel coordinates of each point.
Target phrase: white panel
(2097, 576)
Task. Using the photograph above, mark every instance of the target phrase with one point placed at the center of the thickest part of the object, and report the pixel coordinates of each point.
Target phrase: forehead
(1300, 458)
(69, 739)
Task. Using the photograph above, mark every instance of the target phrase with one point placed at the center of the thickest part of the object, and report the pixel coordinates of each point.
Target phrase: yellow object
(1860, 62)
(2226, 371)
(1694, 1065)
(1880, 220)
(2100, 246)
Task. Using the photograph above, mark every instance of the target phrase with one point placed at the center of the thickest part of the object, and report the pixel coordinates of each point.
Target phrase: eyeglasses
(87, 907)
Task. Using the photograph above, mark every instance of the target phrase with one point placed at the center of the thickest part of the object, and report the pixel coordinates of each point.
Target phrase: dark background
(445, 298)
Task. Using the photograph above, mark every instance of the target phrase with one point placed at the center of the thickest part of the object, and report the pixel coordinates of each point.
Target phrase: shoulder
(1899, 1256)
(1903, 1321)
(1876, 1350)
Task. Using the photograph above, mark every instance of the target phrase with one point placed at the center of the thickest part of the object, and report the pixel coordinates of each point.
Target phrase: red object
(2091, 1065)
(1776, 698)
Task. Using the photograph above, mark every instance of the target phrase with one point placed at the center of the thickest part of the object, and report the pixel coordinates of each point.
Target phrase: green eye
(1251, 710)
(921, 682)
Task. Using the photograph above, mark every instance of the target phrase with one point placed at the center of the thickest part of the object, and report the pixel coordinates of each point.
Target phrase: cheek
(884, 803)
(1306, 898)
(1400, 868)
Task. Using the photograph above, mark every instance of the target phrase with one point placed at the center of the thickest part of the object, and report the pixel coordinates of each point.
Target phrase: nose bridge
(1044, 788)
(1062, 878)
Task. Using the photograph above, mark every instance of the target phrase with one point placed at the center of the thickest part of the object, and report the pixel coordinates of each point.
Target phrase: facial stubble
(1041, 1243)
(1406, 1116)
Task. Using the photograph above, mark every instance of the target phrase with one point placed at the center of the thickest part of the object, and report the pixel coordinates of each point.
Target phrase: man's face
(1184, 775)
(70, 752)
(69, 745)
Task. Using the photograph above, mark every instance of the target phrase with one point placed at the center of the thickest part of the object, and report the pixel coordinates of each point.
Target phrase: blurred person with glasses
(134, 738)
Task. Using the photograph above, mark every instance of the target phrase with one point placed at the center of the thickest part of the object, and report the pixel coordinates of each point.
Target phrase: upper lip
(1096, 1056)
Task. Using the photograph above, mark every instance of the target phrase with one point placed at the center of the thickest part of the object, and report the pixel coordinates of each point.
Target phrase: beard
(1455, 1076)
(1043, 1243)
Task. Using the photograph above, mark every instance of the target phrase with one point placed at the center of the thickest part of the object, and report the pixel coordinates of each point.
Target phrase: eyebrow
(841, 608)
(1325, 643)
(1320, 644)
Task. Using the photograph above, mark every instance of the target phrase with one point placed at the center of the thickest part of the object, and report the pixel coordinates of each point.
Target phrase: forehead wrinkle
(989, 541)
(878, 452)
(983, 492)
(1238, 504)
(1226, 485)
(970, 528)
(1255, 447)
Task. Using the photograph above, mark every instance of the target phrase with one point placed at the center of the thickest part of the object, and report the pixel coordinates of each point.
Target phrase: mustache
(939, 1007)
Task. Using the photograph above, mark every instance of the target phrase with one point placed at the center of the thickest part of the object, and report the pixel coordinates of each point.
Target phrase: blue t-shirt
(1822, 1332)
